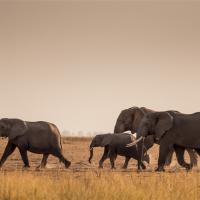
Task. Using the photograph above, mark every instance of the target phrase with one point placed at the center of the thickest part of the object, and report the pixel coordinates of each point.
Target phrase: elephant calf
(115, 144)
(37, 137)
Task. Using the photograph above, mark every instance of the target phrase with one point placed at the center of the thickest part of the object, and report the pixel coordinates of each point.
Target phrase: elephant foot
(25, 167)
(100, 167)
(160, 169)
(139, 170)
(188, 167)
(113, 168)
(143, 166)
(40, 167)
(68, 163)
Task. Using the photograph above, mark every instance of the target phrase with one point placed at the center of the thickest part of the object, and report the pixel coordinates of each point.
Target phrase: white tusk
(91, 148)
(132, 138)
(134, 142)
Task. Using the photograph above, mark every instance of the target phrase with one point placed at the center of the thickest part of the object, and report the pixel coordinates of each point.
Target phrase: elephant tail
(61, 148)
(91, 155)
(61, 144)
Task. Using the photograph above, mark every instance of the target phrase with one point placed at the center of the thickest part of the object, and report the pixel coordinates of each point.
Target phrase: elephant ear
(18, 129)
(106, 139)
(163, 124)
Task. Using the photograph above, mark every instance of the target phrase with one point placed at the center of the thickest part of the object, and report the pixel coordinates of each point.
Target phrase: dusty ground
(76, 150)
(86, 182)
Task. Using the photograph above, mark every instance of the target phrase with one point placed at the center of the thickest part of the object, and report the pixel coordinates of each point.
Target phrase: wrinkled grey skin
(36, 137)
(171, 130)
(130, 119)
(115, 144)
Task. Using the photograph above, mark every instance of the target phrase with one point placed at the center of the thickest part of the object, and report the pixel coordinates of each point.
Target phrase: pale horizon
(78, 64)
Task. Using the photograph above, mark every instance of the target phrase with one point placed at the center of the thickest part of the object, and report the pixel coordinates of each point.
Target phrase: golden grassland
(98, 185)
(84, 182)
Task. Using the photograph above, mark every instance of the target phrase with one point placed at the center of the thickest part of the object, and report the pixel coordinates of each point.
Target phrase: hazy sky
(78, 64)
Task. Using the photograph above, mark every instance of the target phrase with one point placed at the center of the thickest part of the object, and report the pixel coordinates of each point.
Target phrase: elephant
(37, 137)
(115, 144)
(171, 130)
(130, 119)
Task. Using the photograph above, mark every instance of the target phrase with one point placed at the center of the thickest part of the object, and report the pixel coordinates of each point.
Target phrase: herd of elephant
(171, 130)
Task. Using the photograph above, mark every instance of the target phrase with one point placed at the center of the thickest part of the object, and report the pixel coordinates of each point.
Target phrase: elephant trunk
(140, 150)
(141, 136)
(91, 154)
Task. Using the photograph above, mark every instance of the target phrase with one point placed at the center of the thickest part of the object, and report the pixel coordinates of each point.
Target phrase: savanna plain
(85, 181)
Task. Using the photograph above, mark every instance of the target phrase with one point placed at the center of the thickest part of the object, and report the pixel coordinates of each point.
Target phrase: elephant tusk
(134, 142)
(91, 148)
(132, 138)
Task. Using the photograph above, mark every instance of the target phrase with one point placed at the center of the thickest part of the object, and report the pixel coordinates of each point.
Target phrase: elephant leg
(193, 157)
(113, 157)
(59, 155)
(169, 158)
(163, 153)
(8, 150)
(140, 155)
(104, 157)
(24, 156)
(43, 161)
(180, 157)
(126, 162)
(143, 165)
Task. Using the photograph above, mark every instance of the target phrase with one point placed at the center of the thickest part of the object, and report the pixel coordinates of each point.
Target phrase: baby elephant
(115, 144)
(37, 137)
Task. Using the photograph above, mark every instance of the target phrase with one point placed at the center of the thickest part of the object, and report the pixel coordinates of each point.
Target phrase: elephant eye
(3, 127)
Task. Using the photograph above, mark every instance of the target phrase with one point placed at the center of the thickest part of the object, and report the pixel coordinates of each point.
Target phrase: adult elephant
(130, 119)
(37, 137)
(171, 130)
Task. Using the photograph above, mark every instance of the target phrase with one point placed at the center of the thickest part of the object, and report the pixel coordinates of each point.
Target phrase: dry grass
(98, 185)
(84, 182)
